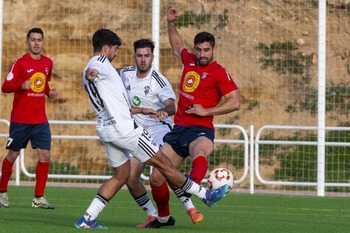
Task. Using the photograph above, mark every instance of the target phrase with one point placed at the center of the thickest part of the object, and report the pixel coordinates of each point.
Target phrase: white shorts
(157, 132)
(138, 142)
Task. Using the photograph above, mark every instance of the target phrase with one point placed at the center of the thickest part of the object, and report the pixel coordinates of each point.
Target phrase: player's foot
(4, 200)
(82, 223)
(195, 215)
(41, 202)
(214, 195)
(156, 224)
(149, 219)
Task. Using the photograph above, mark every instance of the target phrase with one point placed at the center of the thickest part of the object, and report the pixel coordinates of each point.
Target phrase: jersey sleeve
(167, 91)
(12, 82)
(225, 82)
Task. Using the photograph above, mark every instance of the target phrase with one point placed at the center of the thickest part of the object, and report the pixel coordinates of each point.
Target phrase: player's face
(112, 51)
(143, 59)
(204, 53)
(35, 43)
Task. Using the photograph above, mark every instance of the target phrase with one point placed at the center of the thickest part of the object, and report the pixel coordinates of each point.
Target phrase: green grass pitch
(236, 213)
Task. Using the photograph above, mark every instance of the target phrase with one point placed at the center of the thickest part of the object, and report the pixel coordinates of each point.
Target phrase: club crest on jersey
(146, 89)
(204, 75)
(191, 81)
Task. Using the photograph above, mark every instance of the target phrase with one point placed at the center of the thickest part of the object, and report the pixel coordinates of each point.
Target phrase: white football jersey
(112, 107)
(149, 92)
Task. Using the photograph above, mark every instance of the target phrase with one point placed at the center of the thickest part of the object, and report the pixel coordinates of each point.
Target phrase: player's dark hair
(204, 37)
(104, 37)
(35, 30)
(144, 43)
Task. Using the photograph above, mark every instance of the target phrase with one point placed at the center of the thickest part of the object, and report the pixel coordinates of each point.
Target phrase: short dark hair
(35, 30)
(104, 37)
(144, 43)
(204, 37)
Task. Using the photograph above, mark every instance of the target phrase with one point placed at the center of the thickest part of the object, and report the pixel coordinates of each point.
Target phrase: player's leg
(200, 149)
(119, 161)
(176, 179)
(6, 172)
(139, 192)
(41, 141)
(19, 136)
(161, 194)
(147, 152)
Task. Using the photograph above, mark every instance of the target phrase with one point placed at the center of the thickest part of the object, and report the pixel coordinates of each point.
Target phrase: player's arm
(144, 111)
(12, 82)
(168, 110)
(175, 39)
(90, 74)
(232, 102)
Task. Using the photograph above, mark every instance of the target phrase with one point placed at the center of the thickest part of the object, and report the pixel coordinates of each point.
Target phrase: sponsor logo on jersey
(191, 81)
(38, 82)
(136, 101)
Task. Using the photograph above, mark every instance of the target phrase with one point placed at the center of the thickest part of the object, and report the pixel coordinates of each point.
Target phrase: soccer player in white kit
(153, 102)
(121, 135)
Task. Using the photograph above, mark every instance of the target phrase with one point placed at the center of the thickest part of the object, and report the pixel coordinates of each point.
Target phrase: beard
(203, 61)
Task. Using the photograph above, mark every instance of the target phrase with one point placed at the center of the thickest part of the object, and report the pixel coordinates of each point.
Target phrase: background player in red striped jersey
(28, 79)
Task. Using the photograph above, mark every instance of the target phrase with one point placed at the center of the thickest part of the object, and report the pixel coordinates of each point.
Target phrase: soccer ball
(219, 177)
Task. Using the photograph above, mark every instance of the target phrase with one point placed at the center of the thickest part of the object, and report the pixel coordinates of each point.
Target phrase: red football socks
(161, 196)
(42, 171)
(199, 169)
(6, 172)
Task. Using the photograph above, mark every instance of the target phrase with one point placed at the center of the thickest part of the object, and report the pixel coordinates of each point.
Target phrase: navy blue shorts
(20, 134)
(181, 136)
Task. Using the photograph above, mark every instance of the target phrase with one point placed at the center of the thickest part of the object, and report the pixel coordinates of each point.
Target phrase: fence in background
(250, 172)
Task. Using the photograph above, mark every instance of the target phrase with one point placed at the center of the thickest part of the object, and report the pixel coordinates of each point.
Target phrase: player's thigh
(201, 146)
(158, 132)
(19, 136)
(116, 155)
(144, 146)
(41, 137)
(175, 159)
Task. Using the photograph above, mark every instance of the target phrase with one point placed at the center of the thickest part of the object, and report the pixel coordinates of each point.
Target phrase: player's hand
(197, 109)
(53, 93)
(27, 84)
(90, 74)
(172, 14)
(161, 115)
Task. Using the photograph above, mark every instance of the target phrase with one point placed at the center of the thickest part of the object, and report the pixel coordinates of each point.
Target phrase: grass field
(236, 213)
